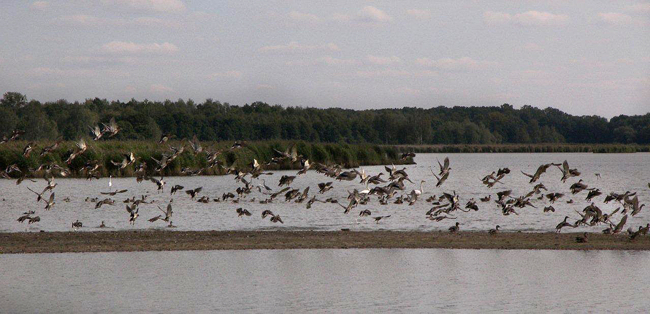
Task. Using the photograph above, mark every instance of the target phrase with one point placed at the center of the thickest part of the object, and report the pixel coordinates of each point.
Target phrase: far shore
(130, 241)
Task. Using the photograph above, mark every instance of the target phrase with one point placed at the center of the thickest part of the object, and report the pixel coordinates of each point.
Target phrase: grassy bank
(124, 241)
(526, 148)
(106, 151)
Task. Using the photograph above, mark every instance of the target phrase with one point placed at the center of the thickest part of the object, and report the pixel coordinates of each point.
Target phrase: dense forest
(215, 121)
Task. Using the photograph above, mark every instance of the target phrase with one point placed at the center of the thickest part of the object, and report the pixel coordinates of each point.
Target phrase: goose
(303, 196)
(582, 239)
(365, 213)
(28, 149)
(408, 155)
(111, 128)
(241, 212)
(347, 176)
(534, 177)
(164, 138)
(378, 218)
(635, 206)
(592, 193)
(286, 180)
(196, 145)
(193, 193)
(50, 203)
(455, 228)
(549, 209)
(106, 201)
(277, 218)
(442, 179)
(305, 166)
(471, 204)
(376, 179)
(103, 225)
(168, 212)
(578, 187)
(23, 218)
(50, 185)
(494, 231)
(81, 148)
(34, 220)
(160, 183)
(133, 213)
(563, 224)
(267, 213)
(567, 172)
(552, 197)
(39, 196)
(96, 132)
(128, 159)
(176, 188)
(439, 218)
(486, 198)
(619, 227)
(77, 224)
(266, 187)
(114, 192)
(49, 149)
(444, 169)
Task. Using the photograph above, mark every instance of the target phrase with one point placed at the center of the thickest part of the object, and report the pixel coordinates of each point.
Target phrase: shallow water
(298, 281)
(619, 173)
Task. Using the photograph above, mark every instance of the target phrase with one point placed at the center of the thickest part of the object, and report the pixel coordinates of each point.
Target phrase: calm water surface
(619, 173)
(334, 281)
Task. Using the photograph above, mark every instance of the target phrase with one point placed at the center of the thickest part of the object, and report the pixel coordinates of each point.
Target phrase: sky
(582, 57)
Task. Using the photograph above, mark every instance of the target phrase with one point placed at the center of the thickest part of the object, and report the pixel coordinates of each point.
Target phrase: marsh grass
(104, 152)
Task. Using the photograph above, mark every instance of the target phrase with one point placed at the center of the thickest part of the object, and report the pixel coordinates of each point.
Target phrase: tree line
(215, 121)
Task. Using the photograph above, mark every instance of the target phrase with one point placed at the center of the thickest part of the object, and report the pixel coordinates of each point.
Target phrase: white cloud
(295, 47)
(419, 14)
(334, 61)
(383, 60)
(303, 17)
(40, 5)
(368, 14)
(372, 14)
(529, 18)
(536, 18)
(227, 74)
(122, 47)
(464, 63)
(614, 18)
(169, 6)
(159, 88)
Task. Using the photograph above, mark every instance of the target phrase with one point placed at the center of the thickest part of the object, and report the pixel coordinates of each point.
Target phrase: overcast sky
(583, 57)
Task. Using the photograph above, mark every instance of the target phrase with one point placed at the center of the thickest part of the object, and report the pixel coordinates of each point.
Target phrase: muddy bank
(124, 241)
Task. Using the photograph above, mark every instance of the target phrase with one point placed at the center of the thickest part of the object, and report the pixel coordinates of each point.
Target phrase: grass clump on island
(347, 155)
(526, 148)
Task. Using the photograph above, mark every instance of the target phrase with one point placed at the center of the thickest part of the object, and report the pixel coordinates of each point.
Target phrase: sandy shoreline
(125, 241)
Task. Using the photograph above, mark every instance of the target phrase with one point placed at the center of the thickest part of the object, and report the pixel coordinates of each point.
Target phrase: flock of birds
(387, 190)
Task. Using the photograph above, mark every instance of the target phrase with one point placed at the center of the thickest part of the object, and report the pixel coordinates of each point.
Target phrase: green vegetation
(526, 148)
(215, 121)
(349, 155)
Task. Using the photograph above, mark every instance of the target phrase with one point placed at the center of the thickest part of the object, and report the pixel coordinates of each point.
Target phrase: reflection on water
(619, 173)
(372, 281)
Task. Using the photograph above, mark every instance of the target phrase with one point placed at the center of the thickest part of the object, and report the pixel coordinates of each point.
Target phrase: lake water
(333, 281)
(619, 173)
